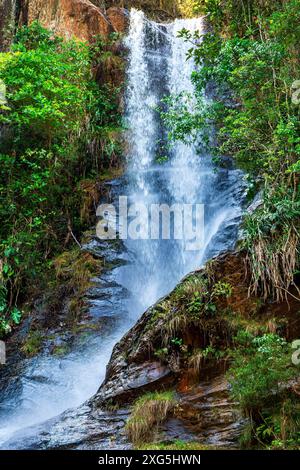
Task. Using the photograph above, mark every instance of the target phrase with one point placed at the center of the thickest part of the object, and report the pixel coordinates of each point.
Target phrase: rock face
(67, 18)
(206, 412)
(83, 19)
(8, 12)
(118, 18)
(80, 18)
(148, 358)
(80, 428)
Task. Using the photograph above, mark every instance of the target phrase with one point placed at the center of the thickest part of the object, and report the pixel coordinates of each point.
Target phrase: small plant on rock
(148, 412)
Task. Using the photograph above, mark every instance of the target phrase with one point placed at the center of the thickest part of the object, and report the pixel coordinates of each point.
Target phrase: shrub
(56, 130)
(260, 370)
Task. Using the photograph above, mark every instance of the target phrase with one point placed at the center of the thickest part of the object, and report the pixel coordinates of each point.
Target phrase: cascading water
(157, 65)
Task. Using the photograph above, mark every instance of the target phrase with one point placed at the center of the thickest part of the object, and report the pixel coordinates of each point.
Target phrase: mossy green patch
(33, 343)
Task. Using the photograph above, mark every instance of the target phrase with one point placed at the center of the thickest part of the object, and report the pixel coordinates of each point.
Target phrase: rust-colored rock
(118, 18)
(206, 411)
(68, 18)
(162, 10)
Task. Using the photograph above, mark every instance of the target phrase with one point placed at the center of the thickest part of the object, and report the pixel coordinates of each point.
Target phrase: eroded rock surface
(205, 411)
(210, 415)
(67, 18)
(118, 18)
(80, 428)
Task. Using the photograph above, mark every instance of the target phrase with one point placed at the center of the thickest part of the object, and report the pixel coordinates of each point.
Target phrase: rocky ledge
(179, 346)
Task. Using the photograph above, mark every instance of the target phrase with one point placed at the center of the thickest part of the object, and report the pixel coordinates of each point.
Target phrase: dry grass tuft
(148, 412)
(76, 268)
(174, 325)
(90, 191)
(195, 362)
(273, 265)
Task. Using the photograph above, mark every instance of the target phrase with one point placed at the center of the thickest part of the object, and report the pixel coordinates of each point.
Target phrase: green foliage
(276, 427)
(34, 37)
(222, 289)
(33, 343)
(161, 353)
(251, 57)
(260, 368)
(177, 342)
(199, 356)
(203, 302)
(57, 128)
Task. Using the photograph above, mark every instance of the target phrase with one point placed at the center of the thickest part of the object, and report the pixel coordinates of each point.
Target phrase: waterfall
(140, 98)
(157, 66)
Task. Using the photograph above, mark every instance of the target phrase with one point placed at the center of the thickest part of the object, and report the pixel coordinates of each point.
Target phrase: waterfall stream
(150, 268)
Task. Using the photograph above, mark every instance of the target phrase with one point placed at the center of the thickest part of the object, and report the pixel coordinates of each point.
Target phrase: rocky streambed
(205, 411)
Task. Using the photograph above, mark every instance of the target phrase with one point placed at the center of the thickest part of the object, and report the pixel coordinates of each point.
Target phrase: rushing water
(157, 65)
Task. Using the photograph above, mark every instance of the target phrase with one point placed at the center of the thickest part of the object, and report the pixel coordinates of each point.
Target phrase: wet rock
(256, 203)
(80, 428)
(205, 411)
(129, 381)
(209, 413)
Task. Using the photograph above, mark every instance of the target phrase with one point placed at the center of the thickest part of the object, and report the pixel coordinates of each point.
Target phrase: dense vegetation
(250, 63)
(249, 69)
(260, 377)
(57, 133)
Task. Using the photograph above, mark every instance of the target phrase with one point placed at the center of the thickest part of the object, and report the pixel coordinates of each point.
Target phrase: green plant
(176, 445)
(272, 241)
(198, 357)
(61, 128)
(193, 285)
(33, 343)
(222, 289)
(148, 412)
(260, 367)
(177, 342)
(278, 427)
(161, 353)
(195, 305)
